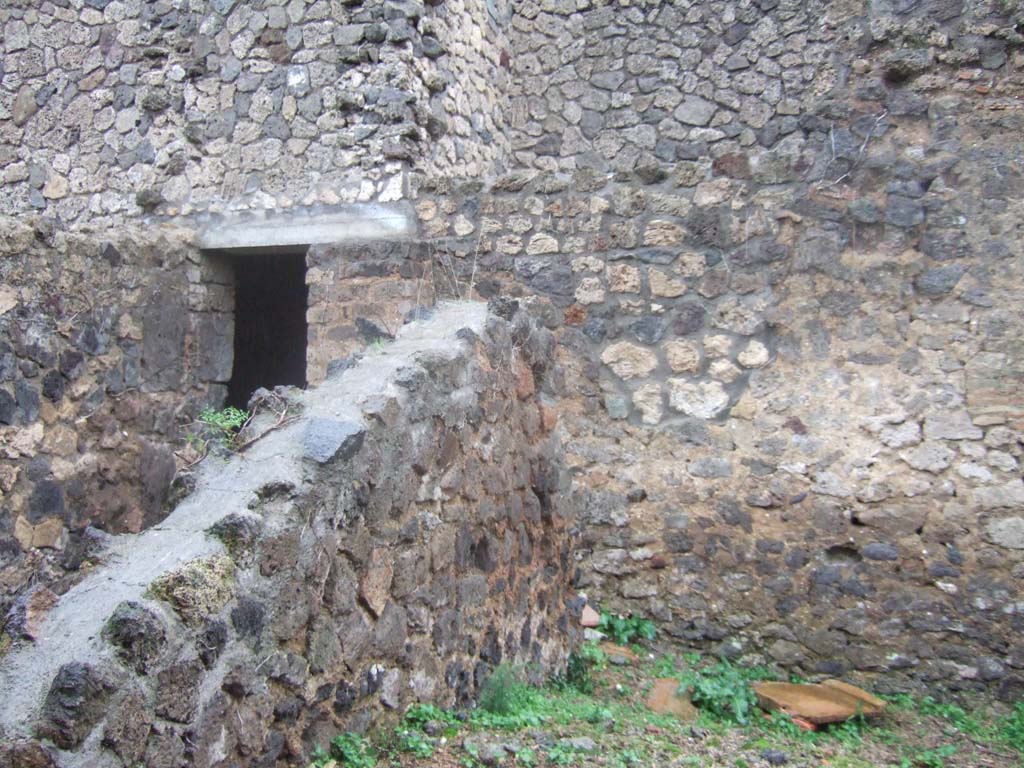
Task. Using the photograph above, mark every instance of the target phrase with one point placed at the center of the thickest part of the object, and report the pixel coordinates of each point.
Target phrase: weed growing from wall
(217, 427)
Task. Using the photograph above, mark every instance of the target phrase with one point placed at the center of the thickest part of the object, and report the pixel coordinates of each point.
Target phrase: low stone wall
(407, 533)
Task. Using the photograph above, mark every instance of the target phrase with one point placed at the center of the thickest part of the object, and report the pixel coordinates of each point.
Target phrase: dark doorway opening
(270, 321)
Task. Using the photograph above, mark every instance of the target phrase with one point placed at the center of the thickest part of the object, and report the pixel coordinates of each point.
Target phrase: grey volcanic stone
(1010, 494)
(951, 425)
(137, 633)
(690, 317)
(156, 100)
(864, 211)
(349, 34)
(163, 345)
(432, 48)
(580, 744)
(710, 466)
(903, 211)
(177, 690)
(76, 702)
(930, 456)
(880, 551)
(938, 281)
(47, 500)
(695, 111)
(649, 330)
(1007, 532)
(904, 64)
(327, 440)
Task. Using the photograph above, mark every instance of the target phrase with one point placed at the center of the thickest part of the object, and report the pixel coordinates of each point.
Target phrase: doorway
(270, 320)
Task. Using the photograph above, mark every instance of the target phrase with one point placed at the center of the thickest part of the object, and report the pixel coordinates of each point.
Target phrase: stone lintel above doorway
(358, 222)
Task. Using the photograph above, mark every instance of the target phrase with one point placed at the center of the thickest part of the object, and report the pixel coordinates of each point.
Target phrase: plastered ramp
(407, 528)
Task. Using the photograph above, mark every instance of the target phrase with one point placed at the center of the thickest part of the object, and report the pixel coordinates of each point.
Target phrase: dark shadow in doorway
(270, 320)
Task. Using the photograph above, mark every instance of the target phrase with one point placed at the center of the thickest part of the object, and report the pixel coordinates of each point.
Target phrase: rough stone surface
(439, 548)
(702, 399)
(137, 633)
(629, 360)
(75, 703)
(265, 105)
(837, 186)
(326, 440)
(1006, 532)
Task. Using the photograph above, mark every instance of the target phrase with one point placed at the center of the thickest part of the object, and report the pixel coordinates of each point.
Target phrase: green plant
(623, 629)
(220, 426)
(599, 715)
(577, 675)
(665, 666)
(579, 669)
(944, 709)
(849, 732)
(630, 757)
(1011, 728)
(503, 693)
(929, 758)
(415, 743)
(723, 690)
(562, 754)
(526, 757)
(507, 703)
(593, 653)
(782, 724)
(472, 756)
(973, 724)
(349, 749)
(902, 701)
(418, 715)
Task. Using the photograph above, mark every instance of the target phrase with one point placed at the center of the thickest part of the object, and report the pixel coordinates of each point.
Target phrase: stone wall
(361, 294)
(109, 344)
(780, 245)
(404, 535)
(112, 342)
(111, 110)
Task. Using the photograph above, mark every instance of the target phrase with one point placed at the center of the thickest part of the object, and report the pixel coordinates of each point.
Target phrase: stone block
(951, 425)
(75, 704)
(137, 633)
(128, 727)
(375, 581)
(1006, 496)
(1006, 531)
(648, 400)
(327, 440)
(215, 340)
(931, 456)
(664, 285)
(703, 399)
(695, 111)
(629, 361)
(164, 324)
